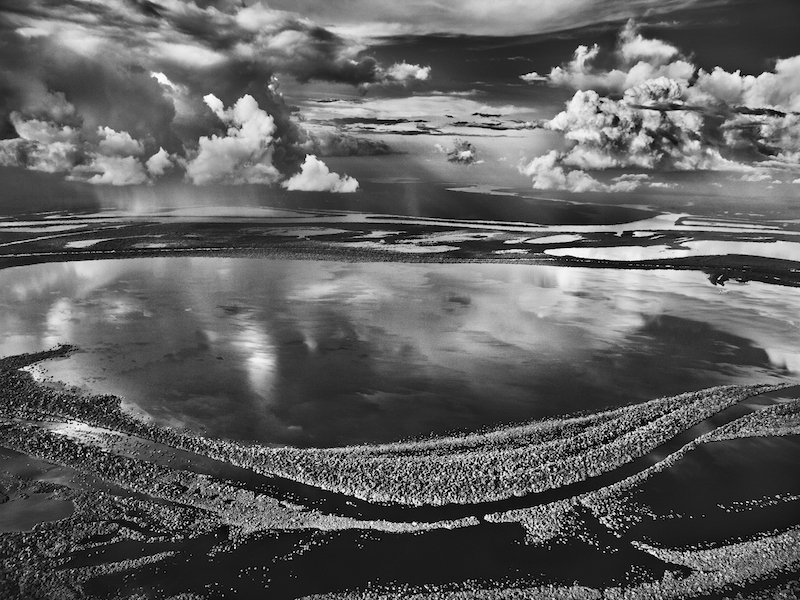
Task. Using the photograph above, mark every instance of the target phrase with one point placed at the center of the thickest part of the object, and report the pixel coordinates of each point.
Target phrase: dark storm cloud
(176, 35)
(73, 70)
(334, 143)
(91, 91)
(184, 33)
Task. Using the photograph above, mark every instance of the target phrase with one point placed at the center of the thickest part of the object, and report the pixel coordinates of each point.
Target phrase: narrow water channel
(349, 506)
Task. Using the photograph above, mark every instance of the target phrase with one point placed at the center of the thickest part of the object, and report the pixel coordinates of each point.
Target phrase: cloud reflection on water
(328, 353)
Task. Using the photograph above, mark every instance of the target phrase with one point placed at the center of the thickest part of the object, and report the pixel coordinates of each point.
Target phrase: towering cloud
(635, 131)
(655, 110)
(779, 89)
(639, 59)
(158, 164)
(244, 153)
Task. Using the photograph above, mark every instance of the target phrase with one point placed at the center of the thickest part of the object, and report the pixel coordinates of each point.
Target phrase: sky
(251, 97)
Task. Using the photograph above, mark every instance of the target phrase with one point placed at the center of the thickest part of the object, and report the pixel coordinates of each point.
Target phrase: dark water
(723, 491)
(325, 353)
(424, 200)
(330, 353)
(292, 564)
(349, 506)
(22, 513)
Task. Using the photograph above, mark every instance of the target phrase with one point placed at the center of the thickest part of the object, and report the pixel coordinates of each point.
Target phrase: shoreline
(197, 506)
(243, 515)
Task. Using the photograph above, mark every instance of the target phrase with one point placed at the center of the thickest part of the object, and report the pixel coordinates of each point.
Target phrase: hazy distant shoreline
(729, 267)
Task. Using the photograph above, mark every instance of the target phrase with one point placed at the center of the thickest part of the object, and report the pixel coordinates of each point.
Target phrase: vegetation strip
(442, 479)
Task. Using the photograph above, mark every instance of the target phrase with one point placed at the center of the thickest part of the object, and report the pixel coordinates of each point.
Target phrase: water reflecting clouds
(324, 353)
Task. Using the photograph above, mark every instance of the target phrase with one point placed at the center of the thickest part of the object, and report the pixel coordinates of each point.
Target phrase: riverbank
(170, 503)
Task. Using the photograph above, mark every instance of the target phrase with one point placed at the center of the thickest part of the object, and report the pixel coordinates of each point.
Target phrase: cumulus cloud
(158, 164)
(55, 157)
(772, 135)
(779, 89)
(315, 176)
(41, 145)
(106, 156)
(402, 74)
(123, 79)
(655, 110)
(244, 154)
(548, 173)
(41, 131)
(626, 133)
(533, 77)
(405, 72)
(113, 170)
(118, 143)
(462, 153)
(628, 182)
(113, 160)
(638, 60)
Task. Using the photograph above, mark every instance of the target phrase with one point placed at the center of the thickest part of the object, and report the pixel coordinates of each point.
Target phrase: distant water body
(327, 353)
